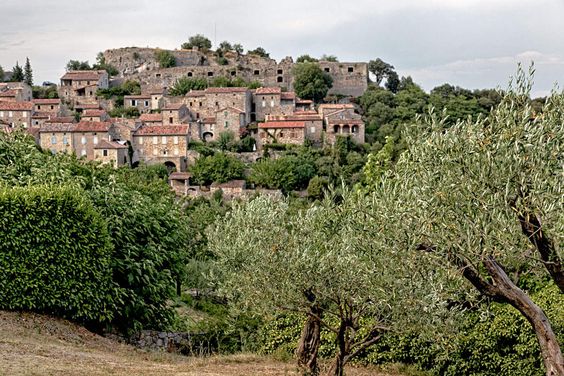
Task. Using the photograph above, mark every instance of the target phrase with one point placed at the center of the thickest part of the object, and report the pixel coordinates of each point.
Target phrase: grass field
(39, 345)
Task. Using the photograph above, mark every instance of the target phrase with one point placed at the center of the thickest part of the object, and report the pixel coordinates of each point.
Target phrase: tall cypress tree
(28, 73)
(17, 73)
(2, 74)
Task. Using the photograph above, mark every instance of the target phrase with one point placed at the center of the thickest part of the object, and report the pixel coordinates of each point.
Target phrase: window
(226, 124)
(83, 140)
(140, 140)
(312, 130)
(95, 140)
(165, 152)
(280, 71)
(200, 104)
(175, 151)
(263, 103)
(233, 73)
(39, 107)
(256, 72)
(280, 79)
(281, 134)
(225, 114)
(190, 74)
(327, 70)
(197, 115)
(133, 102)
(155, 140)
(216, 104)
(176, 140)
(170, 119)
(163, 140)
(105, 152)
(157, 75)
(272, 103)
(351, 69)
(52, 107)
(210, 74)
(65, 140)
(1, 113)
(10, 114)
(83, 152)
(190, 104)
(146, 103)
(53, 139)
(154, 151)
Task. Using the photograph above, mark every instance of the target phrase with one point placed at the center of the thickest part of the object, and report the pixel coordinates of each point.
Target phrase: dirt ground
(39, 345)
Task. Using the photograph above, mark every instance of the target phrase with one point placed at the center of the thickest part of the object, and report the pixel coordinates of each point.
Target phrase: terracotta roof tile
(93, 126)
(196, 93)
(16, 106)
(290, 95)
(164, 130)
(268, 90)
(61, 119)
(145, 96)
(225, 90)
(8, 93)
(282, 124)
(94, 113)
(51, 128)
(83, 75)
(105, 144)
(151, 117)
(209, 120)
(46, 101)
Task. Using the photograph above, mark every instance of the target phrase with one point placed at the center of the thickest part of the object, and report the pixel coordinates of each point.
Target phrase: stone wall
(195, 344)
(140, 64)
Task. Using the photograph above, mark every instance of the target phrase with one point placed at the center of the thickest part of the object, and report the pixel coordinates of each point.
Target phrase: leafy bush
(55, 254)
(199, 41)
(217, 168)
(184, 84)
(165, 59)
(287, 173)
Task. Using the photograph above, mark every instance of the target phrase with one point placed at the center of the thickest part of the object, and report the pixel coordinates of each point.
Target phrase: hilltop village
(160, 127)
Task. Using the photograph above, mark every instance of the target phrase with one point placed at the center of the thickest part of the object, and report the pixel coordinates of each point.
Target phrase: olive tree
(323, 263)
(486, 198)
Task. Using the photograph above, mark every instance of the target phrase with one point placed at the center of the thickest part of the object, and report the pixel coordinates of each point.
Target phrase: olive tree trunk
(308, 347)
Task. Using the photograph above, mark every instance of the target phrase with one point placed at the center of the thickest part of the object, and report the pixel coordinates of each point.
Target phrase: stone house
(287, 102)
(312, 121)
(229, 119)
(195, 101)
(79, 87)
(206, 103)
(179, 182)
(280, 132)
(175, 114)
(94, 115)
(304, 105)
(166, 144)
(111, 152)
(57, 137)
(151, 119)
(40, 118)
(342, 120)
(88, 134)
(50, 106)
(15, 92)
(230, 189)
(266, 101)
(142, 102)
(16, 113)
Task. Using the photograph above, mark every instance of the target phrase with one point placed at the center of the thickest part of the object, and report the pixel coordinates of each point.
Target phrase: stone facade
(342, 120)
(280, 132)
(88, 134)
(94, 115)
(51, 106)
(205, 103)
(111, 152)
(143, 103)
(16, 113)
(165, 144)
(15, 92)
(79, 87)
(175, 114)
(266, 102)
(58, 138)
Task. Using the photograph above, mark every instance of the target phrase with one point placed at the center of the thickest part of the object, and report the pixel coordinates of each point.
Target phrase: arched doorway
(207, 136)
(170, 166)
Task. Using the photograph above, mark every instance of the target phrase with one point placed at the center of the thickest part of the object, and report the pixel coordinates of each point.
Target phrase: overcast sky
(470, 43)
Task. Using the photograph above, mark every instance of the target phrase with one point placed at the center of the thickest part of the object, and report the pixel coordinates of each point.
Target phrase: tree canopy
(199, 41)
(311, 82)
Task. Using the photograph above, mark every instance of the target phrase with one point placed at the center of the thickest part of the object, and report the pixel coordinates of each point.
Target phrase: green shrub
(218, 168)
(54, 254)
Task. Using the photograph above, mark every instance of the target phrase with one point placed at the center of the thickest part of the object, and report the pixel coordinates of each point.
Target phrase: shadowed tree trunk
(310, 340)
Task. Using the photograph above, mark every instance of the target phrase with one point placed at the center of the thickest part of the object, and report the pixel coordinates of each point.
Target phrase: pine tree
(17, 73)
(28, 73)
(2, 74)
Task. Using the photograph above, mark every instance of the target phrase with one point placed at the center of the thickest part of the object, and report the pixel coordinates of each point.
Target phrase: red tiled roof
(146, 96)
(304, 117)
(268, 90)
(16, 106)
(46, 101)
(93, 126)
(163, 130)
(225, 90)
(290, 95)
(8, 93)
(94, 113)
(345, 121)
(51, 128)
(231, 108)
(151, 117)
(85, 106)
(303, 101)
(336, 105)
(196, 93)
(41, 115)
(173, 106)
(62, 119)
(105, 144)
(83, 75)
(282, 124)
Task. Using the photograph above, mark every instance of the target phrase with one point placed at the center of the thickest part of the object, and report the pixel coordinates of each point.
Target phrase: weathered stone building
(58, 137)
(88, 134)
(15, 92)
(79, 87)
(342, 120)
(111, 152)
(16, 113)
(164, 144)
(143, 102)
(280, 132)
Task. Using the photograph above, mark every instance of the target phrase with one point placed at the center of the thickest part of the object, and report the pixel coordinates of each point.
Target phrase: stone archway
(207, 136)
(170, 166)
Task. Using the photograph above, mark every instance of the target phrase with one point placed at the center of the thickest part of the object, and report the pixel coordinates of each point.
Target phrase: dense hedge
(54, 254)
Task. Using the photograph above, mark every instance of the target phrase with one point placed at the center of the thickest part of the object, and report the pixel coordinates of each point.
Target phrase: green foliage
(311, 82)
(259, 51)
(316, 187)
(28, 73)
(380, 69)
(287, 173)
(165, 59)
(306, 59)
(199, 41)
(378, 164)
(238, 47)
(129, 112)
(2, 74)
(330, 58)
(17, 73)
(102, 65)
(224, 46)
(73, 65)
(218, 168)
(183, 85)
(45, 92)
(129, 87)
(225, 140)
(55, 254)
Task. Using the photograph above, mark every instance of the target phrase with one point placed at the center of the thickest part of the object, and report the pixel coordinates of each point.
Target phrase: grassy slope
(39, 345)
